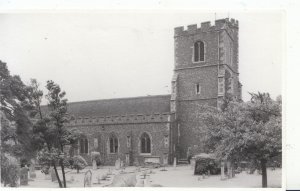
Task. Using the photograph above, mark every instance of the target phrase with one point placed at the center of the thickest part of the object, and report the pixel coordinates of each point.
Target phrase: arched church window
(145, 143)
(199, 51)
(84, 145)
(113, 144)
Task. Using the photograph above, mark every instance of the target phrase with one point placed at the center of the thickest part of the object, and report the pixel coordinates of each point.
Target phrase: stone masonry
(168, 120)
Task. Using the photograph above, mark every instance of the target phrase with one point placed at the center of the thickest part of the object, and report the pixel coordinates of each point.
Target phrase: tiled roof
(120, 106)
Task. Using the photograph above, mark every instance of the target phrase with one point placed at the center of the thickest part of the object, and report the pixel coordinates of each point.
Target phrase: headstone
(24, 176)
(32, 173)
(87, 179)
(109, 171)
(117, 164)
(94, 165)
(53, 175)
(229, 170)
(193, 162)
(222, 171)
(174, 163)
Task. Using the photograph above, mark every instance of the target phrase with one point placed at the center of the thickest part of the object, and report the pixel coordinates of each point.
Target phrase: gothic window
(84, 145)
(95, 143)
(199, 51)
(113, 144)
(128, 141)
(198, 89)
(145, 143)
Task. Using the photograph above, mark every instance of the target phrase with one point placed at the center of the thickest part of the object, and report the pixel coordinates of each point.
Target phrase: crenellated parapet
(122, 119)
(206, 26)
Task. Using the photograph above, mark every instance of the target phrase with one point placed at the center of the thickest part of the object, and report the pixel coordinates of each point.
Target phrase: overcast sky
(103, 55)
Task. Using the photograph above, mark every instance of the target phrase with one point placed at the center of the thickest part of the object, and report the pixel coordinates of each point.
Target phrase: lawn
(181, 176)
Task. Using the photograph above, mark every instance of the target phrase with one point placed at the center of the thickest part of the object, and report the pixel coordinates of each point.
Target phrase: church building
(159, 128)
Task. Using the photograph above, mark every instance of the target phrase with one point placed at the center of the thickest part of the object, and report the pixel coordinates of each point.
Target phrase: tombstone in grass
(222, 170)
(109, 172)
(117, 164)
(32, 173)
(174, 163)
(87, 182)
(94, 165)
(122, 166)
(24, 176)
(53, 175)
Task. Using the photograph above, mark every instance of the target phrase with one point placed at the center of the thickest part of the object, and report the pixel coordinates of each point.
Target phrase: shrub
(203, 165)
(96, 156)
(10, 170)
(79, 163)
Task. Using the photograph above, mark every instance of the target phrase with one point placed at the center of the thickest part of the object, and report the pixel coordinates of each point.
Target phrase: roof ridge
(123, 98)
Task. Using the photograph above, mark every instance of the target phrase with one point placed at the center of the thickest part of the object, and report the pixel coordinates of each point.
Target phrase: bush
(79, 163)
(96, 156)
(205, 165)
(10, 170)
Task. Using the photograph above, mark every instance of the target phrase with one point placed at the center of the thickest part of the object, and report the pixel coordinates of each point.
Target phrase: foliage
(15, 106)
(96, 156)
(9, 171)
(244, 131)
(79, 163)
(50, 134)
(203, 165)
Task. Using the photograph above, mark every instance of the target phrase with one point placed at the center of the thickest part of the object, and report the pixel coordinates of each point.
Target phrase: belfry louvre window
(145, 143)
(199, 51)
(198, 89)
(113, 144)
(84, 146)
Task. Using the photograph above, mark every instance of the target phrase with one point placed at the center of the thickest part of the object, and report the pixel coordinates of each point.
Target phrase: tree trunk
(58, 179)
(264, 173)
(63, 172)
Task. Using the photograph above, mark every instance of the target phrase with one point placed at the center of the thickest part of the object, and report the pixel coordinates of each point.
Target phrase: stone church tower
(206, 71)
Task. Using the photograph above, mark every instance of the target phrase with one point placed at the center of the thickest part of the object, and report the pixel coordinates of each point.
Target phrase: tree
(16, 125)
(51, 135)
(245, 131)
(266, 115)
(78, 162)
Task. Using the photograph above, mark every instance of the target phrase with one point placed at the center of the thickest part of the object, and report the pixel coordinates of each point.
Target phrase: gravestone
(109, 172)
(94, 165)
(117, 164)
(222, 171)
(24, 176)
(53, 175)
(193, 163)
(32, 173)
(88, 179)
(174, 163)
